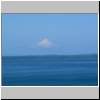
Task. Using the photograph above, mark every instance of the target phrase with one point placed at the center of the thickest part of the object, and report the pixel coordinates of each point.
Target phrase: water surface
(79, 70)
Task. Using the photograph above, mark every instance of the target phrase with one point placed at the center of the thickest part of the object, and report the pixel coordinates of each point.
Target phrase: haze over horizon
(49, 34)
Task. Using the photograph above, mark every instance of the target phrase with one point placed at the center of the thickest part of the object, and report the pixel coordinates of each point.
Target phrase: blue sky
(40, 34)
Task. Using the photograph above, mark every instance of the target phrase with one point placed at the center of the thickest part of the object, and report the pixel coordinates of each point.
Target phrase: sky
(49, 34)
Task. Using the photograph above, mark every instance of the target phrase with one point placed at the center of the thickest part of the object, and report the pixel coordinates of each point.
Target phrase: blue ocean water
(52, 70)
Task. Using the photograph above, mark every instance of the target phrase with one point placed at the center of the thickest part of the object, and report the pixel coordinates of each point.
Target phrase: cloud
(45, 43)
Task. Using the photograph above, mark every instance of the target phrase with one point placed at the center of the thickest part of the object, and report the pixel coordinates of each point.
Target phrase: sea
(50, 70)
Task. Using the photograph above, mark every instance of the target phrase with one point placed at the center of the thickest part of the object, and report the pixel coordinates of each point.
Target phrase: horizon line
(50, 55)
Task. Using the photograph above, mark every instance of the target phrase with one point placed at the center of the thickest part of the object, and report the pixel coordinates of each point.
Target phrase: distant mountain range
(52, 55)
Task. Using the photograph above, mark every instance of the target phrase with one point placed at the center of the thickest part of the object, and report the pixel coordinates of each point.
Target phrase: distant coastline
(49, 55)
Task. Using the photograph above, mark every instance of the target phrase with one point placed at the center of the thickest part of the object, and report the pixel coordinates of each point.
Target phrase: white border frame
(3, 87)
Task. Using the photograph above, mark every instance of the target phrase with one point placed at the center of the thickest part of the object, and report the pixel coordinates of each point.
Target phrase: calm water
(50, 71)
